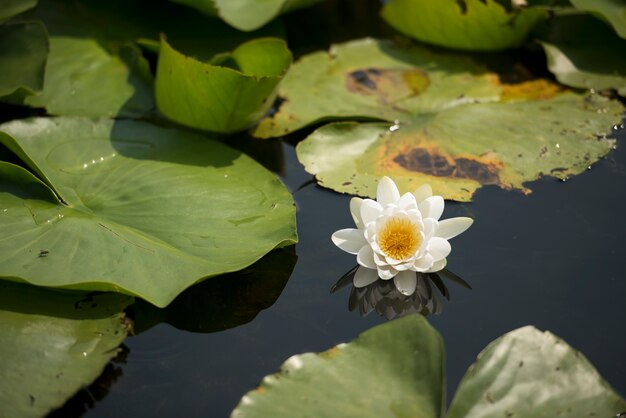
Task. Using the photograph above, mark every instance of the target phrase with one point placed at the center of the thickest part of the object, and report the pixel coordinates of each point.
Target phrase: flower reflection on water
(384, 297)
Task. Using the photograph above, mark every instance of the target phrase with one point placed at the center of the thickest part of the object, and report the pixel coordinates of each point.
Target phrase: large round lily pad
(369, 78)
(53, 344)
(138, 208)
(613, 11)
(396, 370)
(463, 148)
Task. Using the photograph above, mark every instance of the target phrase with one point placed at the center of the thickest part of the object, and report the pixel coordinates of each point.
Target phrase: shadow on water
(383, 297)
(225, 302)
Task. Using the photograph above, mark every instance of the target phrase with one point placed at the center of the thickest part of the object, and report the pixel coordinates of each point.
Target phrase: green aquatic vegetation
(246, 15)
(131, 207)
(583, 52)
(226, 95)
(461, 130)
(475, 25)
(397, 370)
(23, 54)
(54, 344)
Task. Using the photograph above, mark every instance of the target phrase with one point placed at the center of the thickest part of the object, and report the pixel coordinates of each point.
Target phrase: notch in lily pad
(228, 94)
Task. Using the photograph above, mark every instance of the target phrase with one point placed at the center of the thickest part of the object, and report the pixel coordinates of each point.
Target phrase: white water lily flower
(396, 236)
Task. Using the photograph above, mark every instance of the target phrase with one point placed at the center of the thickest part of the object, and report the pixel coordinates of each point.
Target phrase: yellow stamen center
(399, 238)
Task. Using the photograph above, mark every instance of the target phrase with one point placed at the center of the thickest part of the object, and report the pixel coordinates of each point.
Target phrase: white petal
(364, 277)
(387, 192)
(439, 248)
(380, 260)
(365, 257)
(430, 228)
(450, 228)
(407, 202)
(437, 266)
(355, 210)
(423, 193)
(350, 240)
(405, 282)
(386, 272)
(423, 263)
(370, 210)
(432, 207)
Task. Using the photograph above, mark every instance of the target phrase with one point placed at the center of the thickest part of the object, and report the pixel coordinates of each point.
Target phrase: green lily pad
(529, 373)
(23, 54)
(461, 149)
(95, 68)
(53, 344)
(396, 370)
(228, 95)
(136, 208)
(86, 73)
(581, 52)
(374, 79)
(11, 8)
(475, 25)
(247, 15)
(613, 11)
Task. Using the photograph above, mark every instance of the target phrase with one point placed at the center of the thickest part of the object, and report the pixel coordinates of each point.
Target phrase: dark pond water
(554, 259)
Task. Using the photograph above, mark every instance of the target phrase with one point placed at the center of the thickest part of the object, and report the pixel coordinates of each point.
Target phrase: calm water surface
(553, 259)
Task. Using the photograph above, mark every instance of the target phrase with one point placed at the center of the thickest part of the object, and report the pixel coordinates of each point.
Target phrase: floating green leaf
(53, 344)
(613, 11)
(461, 149)
(145, 210)
(476, 25)
(229, 94)
(583, 52)
(461, 131)
(247, 15)
(11, 8)
(376, 79)
(23, 53)
(88, 74)
(396, 370)
(74, 80)
(529, 373)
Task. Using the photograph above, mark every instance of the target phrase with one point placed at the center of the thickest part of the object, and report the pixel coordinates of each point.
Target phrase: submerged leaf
(475, 25)
(225, 96)
(53, 344)
(23, 54)
(142, 210)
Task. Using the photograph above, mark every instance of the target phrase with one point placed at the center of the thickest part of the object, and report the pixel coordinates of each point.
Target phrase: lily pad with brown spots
(460, 149)
(375, 79)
